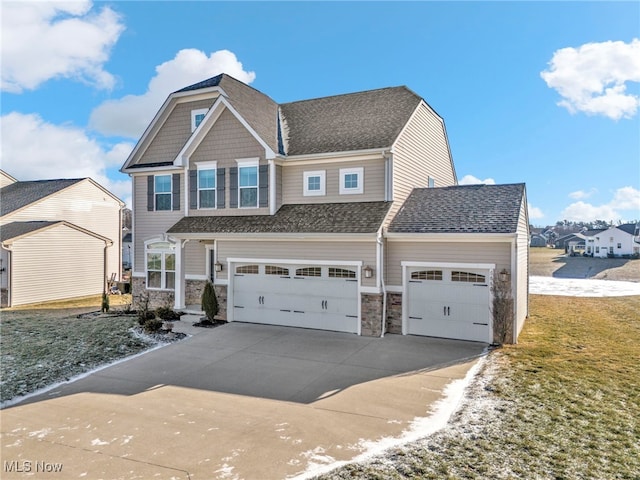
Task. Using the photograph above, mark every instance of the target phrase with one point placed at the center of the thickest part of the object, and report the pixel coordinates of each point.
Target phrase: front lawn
(563, 404)
(40, 348)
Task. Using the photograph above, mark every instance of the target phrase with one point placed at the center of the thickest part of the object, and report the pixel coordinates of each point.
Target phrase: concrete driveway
(238, 401)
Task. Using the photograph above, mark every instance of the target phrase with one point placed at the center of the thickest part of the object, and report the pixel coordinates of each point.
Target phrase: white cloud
(33, 149)
(130, 115)
(535, 213)
(593, 78)
(625, 205)
(471, 180)
(581, 194)
(45, 40)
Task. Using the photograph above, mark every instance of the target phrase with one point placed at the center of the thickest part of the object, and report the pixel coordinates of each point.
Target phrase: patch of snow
(97, 442)
(580, 287)
(40, 433)
(53, 386)
(419, 428)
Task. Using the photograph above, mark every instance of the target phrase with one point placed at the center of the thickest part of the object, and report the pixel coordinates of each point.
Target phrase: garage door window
(341, 273)
(427, 275)
(274, 270)
(247, 269)
(467, 277)
(309, 272)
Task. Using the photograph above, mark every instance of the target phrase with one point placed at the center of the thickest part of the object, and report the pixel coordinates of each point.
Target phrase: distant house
(614, 241)
(126, 249)
(58, 239)
(565, 241)
(538, 240)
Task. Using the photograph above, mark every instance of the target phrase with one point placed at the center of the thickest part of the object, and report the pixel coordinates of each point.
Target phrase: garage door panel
(307, 298)
(453, 304)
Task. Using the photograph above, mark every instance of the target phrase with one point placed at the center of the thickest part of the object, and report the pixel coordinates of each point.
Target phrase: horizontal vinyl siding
(173, 134)
(522, 254)
(86, 206)
(227, 141)
(292, 182)
(397, 252)
(302, 250)
(56, 263)
(195, 258)
(149, 224)
(420, 152)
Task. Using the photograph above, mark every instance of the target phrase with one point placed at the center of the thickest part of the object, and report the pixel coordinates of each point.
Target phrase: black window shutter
(193, 189)
(233, 187)
(220, 188)
(176, 191)
(150, 202)
(263, 181)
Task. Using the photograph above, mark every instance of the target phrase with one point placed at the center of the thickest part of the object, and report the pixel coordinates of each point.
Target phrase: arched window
(160, 264)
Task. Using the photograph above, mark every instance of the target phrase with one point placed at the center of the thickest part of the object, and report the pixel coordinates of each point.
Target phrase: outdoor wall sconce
(218, 267)
(504, 275)
(368, 272)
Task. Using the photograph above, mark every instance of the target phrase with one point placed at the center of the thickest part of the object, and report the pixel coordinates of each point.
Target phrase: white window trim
(163, 270)
(249, 162)
(352, 191)
(312, 193)
(170, 192)
(195, 113)
(208, 166)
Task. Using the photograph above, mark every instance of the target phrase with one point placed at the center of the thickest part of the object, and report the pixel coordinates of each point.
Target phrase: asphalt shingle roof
(340, 123)
(17, 229)
(21, 194)
(461, 209)
(355, 217)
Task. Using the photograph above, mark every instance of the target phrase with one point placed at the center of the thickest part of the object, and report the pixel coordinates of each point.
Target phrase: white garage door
(449, 303)
(308, 296)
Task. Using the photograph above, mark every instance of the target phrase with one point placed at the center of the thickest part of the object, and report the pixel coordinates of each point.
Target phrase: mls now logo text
(28, 466)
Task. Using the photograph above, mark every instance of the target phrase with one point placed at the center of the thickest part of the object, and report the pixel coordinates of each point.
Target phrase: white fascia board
(200, 94)
(290, 261)
(252, 237)
(164, 168)
(331, 157)
(450, 237)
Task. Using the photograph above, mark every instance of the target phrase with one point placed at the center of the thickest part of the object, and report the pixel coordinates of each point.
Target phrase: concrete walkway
(239, 401)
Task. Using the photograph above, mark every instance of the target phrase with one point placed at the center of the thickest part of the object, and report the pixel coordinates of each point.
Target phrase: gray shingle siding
(364, 217)
(461, 209)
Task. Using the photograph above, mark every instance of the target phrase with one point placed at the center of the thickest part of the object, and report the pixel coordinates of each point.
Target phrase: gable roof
(461, 209)
(629, 228)
(341, 218)
(353, 121)
(15, 230)
(20, 194)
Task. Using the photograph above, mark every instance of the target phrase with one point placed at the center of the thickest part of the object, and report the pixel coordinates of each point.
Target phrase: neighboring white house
(614, 241)
(58, 239)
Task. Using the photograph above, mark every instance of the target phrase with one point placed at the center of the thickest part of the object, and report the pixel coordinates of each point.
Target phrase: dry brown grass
(91, 302)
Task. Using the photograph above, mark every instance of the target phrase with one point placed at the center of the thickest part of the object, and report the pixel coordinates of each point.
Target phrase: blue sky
(546, 93)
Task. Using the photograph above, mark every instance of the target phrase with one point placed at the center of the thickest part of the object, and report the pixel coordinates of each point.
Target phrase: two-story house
(340, 213)
(58, 239)
(616, 241)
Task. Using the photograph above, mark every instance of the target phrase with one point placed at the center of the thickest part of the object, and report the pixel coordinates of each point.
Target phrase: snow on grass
(579, 287)
(41, 351)
(419, 428)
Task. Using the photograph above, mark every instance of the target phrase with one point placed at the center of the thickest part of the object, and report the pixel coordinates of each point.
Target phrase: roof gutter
(346, 153)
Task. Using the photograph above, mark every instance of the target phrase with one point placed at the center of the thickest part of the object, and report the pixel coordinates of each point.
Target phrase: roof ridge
(352, 93)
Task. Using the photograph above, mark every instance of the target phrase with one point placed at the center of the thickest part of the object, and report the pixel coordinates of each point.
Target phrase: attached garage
(450, 301)
(296, 294)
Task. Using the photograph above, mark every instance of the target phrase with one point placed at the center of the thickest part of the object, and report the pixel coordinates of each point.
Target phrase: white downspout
(379, 240)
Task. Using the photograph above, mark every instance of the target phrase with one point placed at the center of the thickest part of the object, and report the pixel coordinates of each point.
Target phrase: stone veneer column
(394, 313)
(371, 314)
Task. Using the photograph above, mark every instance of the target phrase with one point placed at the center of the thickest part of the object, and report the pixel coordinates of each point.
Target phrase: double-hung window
(162, 192)
(314, 183)
(161, 265)
(248, 184)
(197, 116)
(207, 185)
(351, 181)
